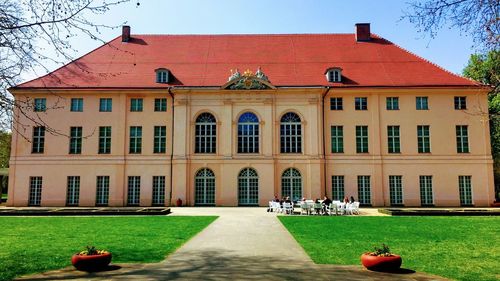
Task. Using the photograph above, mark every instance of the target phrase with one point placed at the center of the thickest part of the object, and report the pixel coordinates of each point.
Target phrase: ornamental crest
(248, 81)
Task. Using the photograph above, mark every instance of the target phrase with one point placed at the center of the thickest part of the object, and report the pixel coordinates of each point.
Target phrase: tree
(479, 18)
(5, 138)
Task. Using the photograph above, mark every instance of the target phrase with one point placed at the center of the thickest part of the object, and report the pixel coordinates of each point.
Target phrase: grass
(462, 248)
(37, 244)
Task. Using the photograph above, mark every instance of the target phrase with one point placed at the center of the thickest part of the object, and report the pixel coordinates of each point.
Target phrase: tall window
(205, 134)
(73, 191)
(465, 190)
(364, 193)
(426, 197)
(460, 103)
(291, 184)
(337, 139)
(75, 140)
(160, 139)
(393, 139)
(462, 139)
(136, 105)
(248, 187)
(158, 190)
(105, 105)
(134, 190)
(76, 105)
(361, 103)
(392, 103)
(102, 191)
(161, 104)
(248, 133)
(422, 103)
(338, 188)
(38, 143)
(396, 190)
(423, 139)
(336, 104)
(204, 184)
(135, 140)
(35, 195)
(40, 105)
(362, 139)
(105, 140)
(291, 133)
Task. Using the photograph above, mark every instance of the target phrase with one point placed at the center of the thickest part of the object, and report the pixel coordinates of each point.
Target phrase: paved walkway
(242, 244)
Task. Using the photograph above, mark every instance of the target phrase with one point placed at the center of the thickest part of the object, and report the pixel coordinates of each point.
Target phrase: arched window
(204, 185)
(291, 133)
(291, 184)
(248, 133)
(248, 187)
(205, 133)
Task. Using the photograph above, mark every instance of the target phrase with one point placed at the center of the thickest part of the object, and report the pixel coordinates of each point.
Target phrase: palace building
(233, 120)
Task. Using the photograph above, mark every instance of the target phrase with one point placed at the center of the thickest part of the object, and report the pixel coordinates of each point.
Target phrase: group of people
(325, 204)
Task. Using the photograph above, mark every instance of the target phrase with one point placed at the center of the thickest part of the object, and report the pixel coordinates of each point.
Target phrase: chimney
(125, 33)
(363, 32)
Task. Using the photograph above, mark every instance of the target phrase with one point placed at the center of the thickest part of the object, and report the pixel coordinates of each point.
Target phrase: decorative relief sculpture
(248, 81)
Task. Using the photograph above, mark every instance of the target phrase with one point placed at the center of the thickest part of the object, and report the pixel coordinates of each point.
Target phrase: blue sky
(450, 49)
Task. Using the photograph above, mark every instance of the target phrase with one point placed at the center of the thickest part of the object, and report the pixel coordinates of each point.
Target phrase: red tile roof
(288, 60)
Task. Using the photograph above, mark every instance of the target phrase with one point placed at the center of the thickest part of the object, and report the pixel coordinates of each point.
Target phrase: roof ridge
(241, 34)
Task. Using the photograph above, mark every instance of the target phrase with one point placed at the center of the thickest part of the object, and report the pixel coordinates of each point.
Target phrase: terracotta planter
(381, 263)
(91, 263)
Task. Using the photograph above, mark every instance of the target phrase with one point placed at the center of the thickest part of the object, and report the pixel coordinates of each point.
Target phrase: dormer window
(334, 74)
(162, 75)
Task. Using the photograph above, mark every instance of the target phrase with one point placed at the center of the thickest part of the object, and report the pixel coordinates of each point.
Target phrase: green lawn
(36, 244)
(462, 248)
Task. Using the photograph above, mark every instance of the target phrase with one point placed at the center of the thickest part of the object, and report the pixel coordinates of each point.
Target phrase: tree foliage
(5, 139)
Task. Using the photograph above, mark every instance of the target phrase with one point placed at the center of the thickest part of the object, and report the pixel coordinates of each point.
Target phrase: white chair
(304, 207)
(333, 209)
(355, 208)
(341, 208)
(271, 206)
(276, 207)
(317, 208)
(287, 208)
(348, 208)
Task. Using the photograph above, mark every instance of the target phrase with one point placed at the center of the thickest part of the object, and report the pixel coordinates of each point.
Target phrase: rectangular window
(134, 190)
(465, 190)
(105, 140)
(73, 191)
(462, 139)
(460, 103)
(362, 139)
(396, 190)
(361, 103)
(135, 105)
(35, 195)
(76, 105)
(364, 194)
(338, 188)
(337, 139)
(135, 139)
(426, 197)
(158, 190)
(422, 103)
(38, 143)
(161, 104)
(393, 139)
(102, 191)
(336, 104)
(424, 139)
(105, 105)
(75, 140)
(392, 103)
(160, 139)
(40, 105)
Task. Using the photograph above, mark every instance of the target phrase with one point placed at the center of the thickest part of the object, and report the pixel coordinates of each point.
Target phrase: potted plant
(381, 259)
(91, 259)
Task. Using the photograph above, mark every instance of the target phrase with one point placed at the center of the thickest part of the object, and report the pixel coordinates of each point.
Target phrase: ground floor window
(158, 190)
(291, 184)
(248, 187)
(204, 184)
(35, 195)
(73, 191)
(426, 197)
(396, 190)
(338, 188)
(465, 189)
(134, 190)
(364, 190)
(102, 191)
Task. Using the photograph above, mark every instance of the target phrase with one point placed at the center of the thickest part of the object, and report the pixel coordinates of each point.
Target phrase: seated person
(351, 200)
(326, 204)
(346, 199)
(317, 206)
(276, 199)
